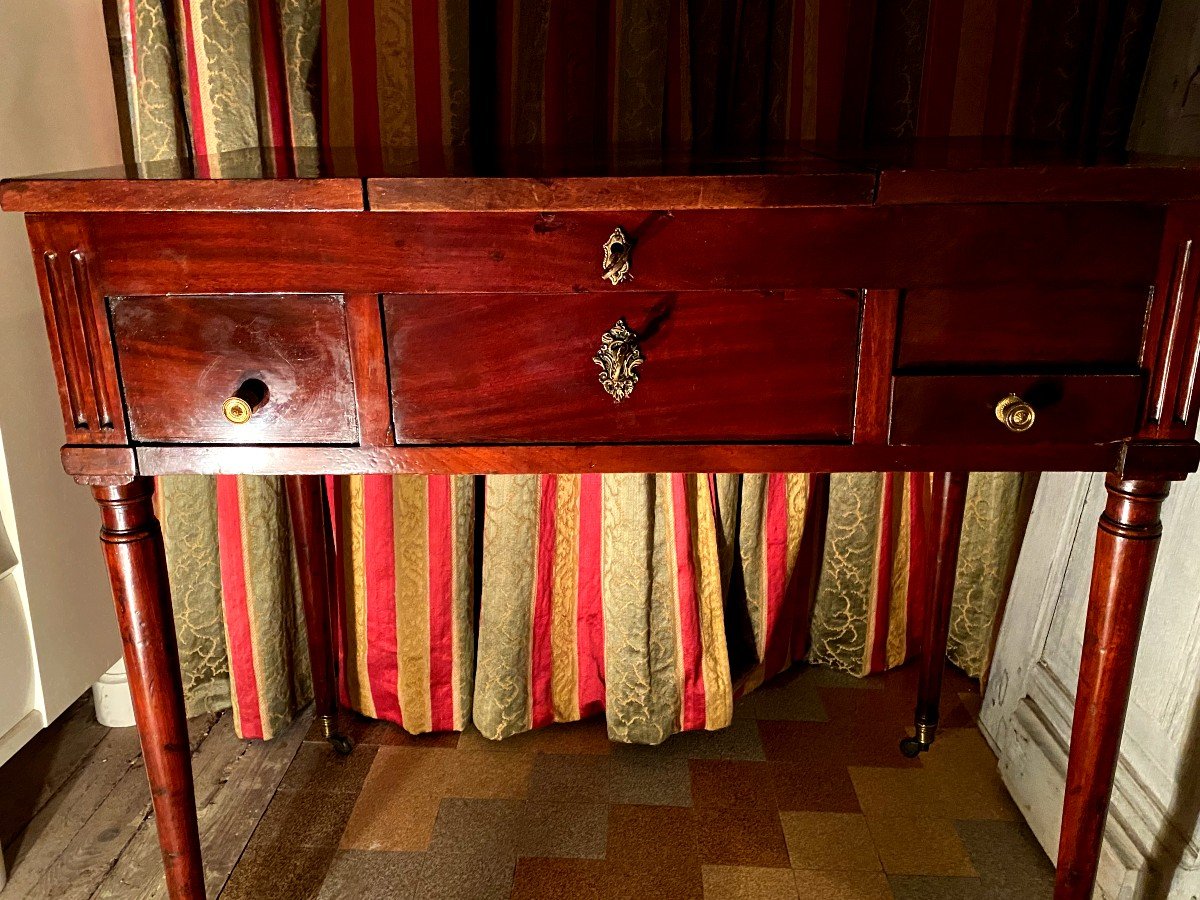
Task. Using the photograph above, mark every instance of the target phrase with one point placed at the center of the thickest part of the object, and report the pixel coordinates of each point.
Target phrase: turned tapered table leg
(949, 502)
(133, 549)
(310, 531)
(1126, 544)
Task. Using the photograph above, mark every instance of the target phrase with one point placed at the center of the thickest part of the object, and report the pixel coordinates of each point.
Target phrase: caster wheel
(341, 744)
(912, 748)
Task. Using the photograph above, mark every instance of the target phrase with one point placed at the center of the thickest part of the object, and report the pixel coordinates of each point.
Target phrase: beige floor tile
(837, 841)
(382, 821)
(919, 846)
(813, 884)
(481, 774)
(748, 883)
(947, 793)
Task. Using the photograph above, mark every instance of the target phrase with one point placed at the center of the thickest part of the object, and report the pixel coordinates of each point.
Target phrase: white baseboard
(114, 705)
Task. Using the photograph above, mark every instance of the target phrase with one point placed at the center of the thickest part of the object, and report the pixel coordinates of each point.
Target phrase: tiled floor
(806, 795)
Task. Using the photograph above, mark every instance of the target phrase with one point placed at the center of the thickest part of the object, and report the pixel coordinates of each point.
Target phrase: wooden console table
(952, 307)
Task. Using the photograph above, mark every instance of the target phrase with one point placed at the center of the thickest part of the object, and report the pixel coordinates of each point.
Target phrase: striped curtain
(654, 598)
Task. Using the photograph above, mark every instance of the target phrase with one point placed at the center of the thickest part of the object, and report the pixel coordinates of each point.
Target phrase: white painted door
(1152, 847)
(57, 630)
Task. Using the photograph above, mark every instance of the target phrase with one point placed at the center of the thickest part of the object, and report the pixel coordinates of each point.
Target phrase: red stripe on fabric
(199, 139)
(885, 556)
(441, 603)
(275, 83)
(237, 609)
(940, 68)
(364, 72)
(379, 571)
(333, 490)
(133, 45)
(832, 24)
(1012, 20)
(427, 87)
(590, 601)
(778, 625)
(541, 659)
(795, 125)
(920, 584)
(694, 707)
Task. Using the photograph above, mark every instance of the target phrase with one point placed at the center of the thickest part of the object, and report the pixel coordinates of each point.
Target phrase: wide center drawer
(715, 365)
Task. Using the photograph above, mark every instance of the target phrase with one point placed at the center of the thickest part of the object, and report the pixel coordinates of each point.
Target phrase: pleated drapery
(653, 598)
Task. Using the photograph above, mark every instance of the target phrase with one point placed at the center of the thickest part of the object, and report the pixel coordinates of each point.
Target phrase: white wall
(57, 628)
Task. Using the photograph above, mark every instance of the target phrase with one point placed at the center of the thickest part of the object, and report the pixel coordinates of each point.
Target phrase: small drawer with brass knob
(1005, 409)
(247, 369)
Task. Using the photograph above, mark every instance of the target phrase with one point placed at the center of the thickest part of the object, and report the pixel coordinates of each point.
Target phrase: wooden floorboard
(45, 764)
(235, 781)
(90, 831)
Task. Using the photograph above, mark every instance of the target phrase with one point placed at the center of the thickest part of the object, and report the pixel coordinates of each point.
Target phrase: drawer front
(182, 357)
(1024, 327)
(716, 366)
(962, 409)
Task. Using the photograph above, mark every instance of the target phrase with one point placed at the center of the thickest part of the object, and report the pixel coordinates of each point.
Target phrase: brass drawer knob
(249, 397)
(1015, 413)
(617, 250)
(618, 359)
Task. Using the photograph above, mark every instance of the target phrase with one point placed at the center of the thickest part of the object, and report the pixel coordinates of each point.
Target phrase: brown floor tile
(824, 676)
(656, 884)
(563, 830)
(839, 841)
(380, 876)
(1008, 859)
(652, 838)
(277, 874)
(931, 793)
(589, 736)
(739, 741)
(553, 879)
(817, 885)
(582, 779)
(747, 883)
(729, 782)
(920, 846)
(932, 887)
(562, 812)
(646, 781)
(465, 876)
(391, 821)
(790, 696)
(816, 786)
(475, 773)
(850, 745)
(316, 767)
(483, 828)
(305, 819)
(833, 841)
(740, 836)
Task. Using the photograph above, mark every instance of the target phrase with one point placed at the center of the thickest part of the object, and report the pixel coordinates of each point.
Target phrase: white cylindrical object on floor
(114, 705)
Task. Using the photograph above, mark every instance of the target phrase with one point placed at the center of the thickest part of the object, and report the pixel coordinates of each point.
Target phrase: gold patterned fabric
(655, 598)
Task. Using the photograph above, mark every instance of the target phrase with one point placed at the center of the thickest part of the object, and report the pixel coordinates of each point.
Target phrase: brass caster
(912, 748)
(341, 744)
